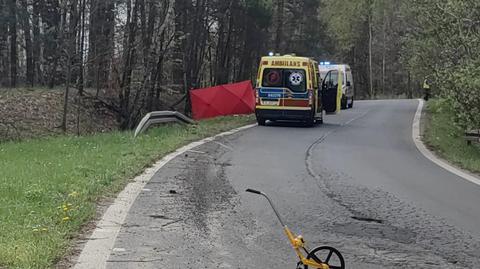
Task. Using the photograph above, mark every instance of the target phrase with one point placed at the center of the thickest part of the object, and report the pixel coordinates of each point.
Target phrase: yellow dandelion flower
(44, 229)
(67, 218)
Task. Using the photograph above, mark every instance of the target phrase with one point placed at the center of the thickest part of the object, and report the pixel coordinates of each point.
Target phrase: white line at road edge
(431, 156)
(97, 250)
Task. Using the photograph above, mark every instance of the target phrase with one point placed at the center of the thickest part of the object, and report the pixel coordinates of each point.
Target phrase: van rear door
(271, 92)
(349, 84)
(331, 94)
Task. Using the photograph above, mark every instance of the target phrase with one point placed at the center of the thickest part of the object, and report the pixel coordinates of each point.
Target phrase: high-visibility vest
(425, 85)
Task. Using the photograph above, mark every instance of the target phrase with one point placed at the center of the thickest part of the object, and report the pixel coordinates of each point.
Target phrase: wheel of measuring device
(328, 255)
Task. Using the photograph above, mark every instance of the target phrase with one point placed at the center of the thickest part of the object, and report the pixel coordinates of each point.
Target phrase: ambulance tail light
(257, 98)
(310, 97)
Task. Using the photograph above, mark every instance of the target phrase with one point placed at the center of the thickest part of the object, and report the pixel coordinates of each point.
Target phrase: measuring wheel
(328, 255)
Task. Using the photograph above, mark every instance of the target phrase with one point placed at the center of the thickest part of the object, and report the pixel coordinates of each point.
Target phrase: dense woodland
(125, 53)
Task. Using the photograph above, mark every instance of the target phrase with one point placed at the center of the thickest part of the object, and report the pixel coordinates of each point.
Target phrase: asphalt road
(357, 183)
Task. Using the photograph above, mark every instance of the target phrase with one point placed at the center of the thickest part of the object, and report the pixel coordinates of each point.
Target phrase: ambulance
(288, 88)
(342, 73)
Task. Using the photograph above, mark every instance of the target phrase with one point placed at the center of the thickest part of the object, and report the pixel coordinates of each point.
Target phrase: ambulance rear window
(272, 78)
(293, 79)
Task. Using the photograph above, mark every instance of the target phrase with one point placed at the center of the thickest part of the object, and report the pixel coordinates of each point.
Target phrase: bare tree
(280, 9)
(37, 44)
(3, 42)
(101, 43)
(25, 14)
(12, 30)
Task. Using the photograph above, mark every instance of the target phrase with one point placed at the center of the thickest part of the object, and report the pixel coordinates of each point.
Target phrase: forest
(124, 54)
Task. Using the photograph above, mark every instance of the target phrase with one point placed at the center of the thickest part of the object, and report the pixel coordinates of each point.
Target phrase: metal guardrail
(158, 117)
(472, 136)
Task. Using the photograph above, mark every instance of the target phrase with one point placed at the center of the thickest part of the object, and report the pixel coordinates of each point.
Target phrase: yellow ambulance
(288, 88)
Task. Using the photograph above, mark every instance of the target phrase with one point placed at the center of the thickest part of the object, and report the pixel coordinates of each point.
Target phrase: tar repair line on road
(430, 155)
(310, 149)
(100, 244)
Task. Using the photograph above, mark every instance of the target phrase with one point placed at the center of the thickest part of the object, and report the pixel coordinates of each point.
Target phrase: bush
(461, 87)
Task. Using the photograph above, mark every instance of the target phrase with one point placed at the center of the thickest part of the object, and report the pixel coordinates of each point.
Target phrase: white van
(347, 85)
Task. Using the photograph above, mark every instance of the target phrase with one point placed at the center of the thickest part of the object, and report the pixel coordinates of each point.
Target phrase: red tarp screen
(230, 99)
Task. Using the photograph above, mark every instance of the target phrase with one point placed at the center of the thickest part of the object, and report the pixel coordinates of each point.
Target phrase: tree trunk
(69, 51)
(81, 83)
(370, 68)
(12, 30)
(30, 77)
(3, 43)
(36, 47)
(223, 45)
(52, 20)
(384, 50)
(101, 34)
(67, 92)
(279, 30)
(129, 60)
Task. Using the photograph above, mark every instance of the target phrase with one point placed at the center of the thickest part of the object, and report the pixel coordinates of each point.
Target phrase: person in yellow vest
(426, 90)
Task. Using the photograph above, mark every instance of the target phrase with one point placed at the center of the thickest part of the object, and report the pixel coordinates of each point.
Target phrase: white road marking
(431, 156)
(97, 250)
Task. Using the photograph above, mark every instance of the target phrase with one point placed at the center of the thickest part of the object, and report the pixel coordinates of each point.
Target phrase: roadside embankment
(38, 112)
(50, 187)
(446, 139)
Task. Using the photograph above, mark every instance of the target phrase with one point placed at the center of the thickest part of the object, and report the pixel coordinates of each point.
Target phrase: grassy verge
(49, 187)
(447, 140)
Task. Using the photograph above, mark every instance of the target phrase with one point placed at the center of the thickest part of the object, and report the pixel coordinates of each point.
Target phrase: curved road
(357, 183)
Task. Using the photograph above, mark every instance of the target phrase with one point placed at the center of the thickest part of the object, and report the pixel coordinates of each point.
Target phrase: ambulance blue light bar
(325, 63)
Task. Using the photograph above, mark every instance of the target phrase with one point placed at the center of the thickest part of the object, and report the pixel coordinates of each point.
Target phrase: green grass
(446, 139)
(49, 187)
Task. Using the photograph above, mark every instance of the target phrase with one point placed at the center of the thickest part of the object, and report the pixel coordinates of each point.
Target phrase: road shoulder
(100, 244)
(417, 131)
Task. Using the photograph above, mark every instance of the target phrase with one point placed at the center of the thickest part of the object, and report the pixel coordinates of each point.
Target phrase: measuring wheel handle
(254, 191)
(327, 255)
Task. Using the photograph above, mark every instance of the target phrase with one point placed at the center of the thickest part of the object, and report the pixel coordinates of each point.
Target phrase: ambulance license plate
(270, 103)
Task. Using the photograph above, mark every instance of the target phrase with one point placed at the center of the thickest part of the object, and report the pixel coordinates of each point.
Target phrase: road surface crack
(365, 219)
